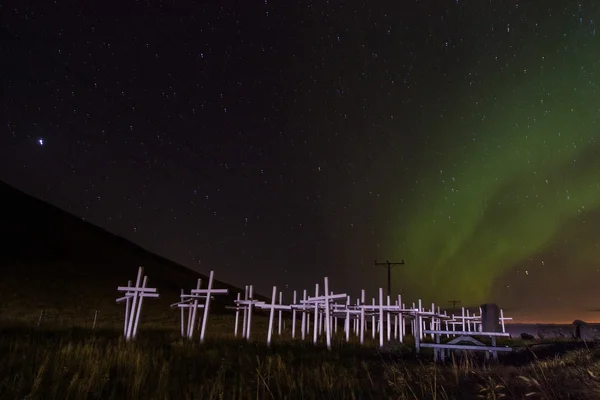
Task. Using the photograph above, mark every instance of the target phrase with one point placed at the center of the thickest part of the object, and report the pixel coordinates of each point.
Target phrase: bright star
(41, 141)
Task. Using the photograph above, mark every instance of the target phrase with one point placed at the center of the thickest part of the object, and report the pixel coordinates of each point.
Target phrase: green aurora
(511, 179)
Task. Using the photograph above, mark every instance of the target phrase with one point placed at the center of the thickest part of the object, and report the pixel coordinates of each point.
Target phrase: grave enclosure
(320, 316)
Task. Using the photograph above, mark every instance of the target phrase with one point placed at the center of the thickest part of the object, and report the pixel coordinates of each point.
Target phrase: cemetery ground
(61, 335)
(52, 361)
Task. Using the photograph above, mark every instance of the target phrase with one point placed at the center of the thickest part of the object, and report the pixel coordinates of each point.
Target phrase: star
(250, 145)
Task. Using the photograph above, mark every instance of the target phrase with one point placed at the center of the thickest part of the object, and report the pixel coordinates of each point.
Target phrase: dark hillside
(56, 262)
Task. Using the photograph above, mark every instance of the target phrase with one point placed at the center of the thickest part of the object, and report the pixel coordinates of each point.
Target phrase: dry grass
(80, 364)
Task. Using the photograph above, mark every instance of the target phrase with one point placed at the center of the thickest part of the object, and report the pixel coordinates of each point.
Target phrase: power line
(389, 266)
(454, 302)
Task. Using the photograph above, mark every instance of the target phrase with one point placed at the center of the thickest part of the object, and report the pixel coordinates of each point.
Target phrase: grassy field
(77, 363)
(57, 271)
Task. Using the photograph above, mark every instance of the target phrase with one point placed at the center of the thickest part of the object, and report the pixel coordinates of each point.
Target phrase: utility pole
(388, 265)
(454, 303)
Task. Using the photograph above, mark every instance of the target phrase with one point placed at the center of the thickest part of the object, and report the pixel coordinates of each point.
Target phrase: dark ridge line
(48, 207)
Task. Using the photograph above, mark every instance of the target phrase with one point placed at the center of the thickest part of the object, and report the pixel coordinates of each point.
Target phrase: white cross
(133, 308)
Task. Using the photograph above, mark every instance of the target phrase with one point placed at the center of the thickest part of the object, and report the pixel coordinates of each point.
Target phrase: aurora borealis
(510, 184)
(280, 142)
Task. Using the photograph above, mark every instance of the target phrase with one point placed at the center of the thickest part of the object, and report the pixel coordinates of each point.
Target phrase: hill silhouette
(55, 262)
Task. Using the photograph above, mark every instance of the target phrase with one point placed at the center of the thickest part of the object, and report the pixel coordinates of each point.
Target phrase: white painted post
(347, 322)
(271, 313)
(432, 321)
(304, 316)
(237, 315)
(251, 293)
(389, 326)
(468, 322)
(321, 323)
(362, 316)
(330, 316)
(373, 320)
(396, 314)
(190, 317)
(502, 321)
(139, 308)
(280, 313)
(294, 318)
(417, 330)
(356, 321)
(400, 321)
(182, 314)
(206, 306)
(380, 317)
(127, 311)
(132, 311)
(194, 311)
(413, 321)
(245, 315)
(420, 320)
(316, 324)
(327, 321)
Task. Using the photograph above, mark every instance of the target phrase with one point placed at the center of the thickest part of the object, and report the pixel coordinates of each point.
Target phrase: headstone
(490, 318)
(527, 336)
(577, 324)
(582, 330)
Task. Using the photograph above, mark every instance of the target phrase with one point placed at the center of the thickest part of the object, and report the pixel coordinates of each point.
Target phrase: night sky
(278, 142)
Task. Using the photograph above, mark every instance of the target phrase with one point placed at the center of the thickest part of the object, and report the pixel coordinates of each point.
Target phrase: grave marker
(192, 305)
(134, 296)
(490, 318)
(272, 307)
(191, 301)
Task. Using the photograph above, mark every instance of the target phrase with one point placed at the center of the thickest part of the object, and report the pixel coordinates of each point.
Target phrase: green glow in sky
(511, 172)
